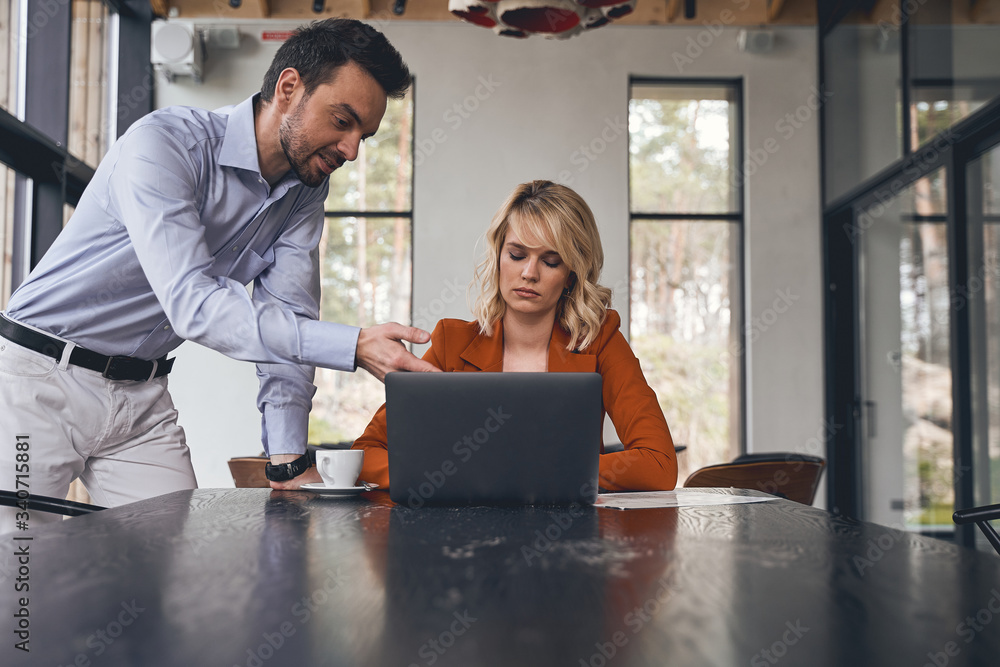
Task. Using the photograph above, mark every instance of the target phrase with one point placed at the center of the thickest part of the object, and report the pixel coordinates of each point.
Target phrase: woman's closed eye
(551, 263)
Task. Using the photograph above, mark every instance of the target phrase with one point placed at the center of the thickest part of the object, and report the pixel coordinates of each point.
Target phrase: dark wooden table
(225, 577)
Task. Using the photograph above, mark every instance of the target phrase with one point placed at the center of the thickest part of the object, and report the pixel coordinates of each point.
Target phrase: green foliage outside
(683, 272)
(936, 514)
(386, 163)
(680, 156)
(691, 381)
(935, 116)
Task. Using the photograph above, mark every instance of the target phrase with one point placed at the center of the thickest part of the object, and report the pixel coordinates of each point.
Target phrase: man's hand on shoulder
(381, 351)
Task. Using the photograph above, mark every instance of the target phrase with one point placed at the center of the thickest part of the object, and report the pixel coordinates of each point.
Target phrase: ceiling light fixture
(558, 19)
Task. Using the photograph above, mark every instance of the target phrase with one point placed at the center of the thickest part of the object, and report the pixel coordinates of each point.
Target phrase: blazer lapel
(562, 360)
(486, 353)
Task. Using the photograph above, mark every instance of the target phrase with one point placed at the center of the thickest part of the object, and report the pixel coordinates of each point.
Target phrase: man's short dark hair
(319, 49)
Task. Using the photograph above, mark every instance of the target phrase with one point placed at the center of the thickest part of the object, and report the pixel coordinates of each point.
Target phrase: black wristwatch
(282, 472)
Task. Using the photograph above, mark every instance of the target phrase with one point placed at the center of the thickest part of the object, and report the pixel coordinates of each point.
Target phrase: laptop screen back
(483, 438)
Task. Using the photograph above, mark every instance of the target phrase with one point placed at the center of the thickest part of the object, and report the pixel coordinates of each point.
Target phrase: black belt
(113, 368)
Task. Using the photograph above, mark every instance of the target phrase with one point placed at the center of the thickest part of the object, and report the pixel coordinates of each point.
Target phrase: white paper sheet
(678, 498)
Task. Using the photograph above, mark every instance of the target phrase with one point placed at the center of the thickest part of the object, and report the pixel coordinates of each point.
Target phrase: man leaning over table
(187, 208)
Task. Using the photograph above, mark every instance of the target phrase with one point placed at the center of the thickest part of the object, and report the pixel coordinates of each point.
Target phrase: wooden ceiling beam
(673, 6)
(160, 7)
(774, 8)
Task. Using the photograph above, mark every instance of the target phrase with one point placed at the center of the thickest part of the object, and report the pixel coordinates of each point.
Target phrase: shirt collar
(239, 147)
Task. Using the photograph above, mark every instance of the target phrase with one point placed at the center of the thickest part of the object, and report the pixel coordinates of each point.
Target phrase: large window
(88, 100)
(983, 298)
(54, 111)
(8, 101)
(56, 61)
(8, 54)
(909, 140)
(950, 66)
(906, 346)
(686, 239)
(6, 231)
(898, 74)
(365, 265)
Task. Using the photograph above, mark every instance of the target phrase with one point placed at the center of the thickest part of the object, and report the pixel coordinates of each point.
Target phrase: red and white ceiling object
(556, 19)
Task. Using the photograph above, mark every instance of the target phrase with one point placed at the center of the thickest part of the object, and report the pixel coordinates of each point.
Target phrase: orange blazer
(648, 462)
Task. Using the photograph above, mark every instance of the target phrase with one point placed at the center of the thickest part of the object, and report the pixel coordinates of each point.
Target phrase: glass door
(983, 299)
(904, 366)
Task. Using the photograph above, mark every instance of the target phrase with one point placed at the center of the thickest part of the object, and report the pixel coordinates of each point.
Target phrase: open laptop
(484, 438)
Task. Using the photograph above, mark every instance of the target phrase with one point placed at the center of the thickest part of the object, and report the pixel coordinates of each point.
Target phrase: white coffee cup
(339, 468)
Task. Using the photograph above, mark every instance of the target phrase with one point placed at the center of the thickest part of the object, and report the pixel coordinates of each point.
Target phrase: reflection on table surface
(254, 577)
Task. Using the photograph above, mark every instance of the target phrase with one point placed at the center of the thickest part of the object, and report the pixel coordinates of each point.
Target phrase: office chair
(785, 474)
(248, 472)
(47, 504)
(610, 447)
(981, 516)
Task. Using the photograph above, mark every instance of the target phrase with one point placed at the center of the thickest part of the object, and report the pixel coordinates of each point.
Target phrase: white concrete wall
(543, 102)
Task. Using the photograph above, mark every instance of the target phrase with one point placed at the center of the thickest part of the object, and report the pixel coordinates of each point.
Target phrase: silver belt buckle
(107, 369)
(129, 366)
(118, 364)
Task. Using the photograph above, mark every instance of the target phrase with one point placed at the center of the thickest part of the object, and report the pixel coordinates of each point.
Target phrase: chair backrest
(981, 516)
(610, 447)
(771, 457)
(795, 479)
(248, 472)
(47, 504)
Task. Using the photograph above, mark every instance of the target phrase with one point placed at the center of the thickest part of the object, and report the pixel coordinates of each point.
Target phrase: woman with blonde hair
(540, 308)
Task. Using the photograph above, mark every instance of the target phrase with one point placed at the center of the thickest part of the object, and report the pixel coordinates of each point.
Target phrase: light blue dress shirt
(176, 221)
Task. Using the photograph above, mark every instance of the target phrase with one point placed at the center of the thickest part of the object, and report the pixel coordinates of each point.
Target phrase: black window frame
(739, 217)
(48, 176)
(952, 149)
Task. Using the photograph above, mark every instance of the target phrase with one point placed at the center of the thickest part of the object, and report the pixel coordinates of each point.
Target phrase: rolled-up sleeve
(648, 462)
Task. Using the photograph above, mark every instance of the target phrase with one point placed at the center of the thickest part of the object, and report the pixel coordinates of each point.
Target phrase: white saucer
(322, 489)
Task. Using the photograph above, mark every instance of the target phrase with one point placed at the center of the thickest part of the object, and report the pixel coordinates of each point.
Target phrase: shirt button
(236, 248)
(166, 328)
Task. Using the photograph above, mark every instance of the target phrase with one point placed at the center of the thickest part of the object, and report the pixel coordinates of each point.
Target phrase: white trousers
(60, 422)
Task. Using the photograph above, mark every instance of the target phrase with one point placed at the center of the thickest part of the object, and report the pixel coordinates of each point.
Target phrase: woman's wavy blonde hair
(559, 218)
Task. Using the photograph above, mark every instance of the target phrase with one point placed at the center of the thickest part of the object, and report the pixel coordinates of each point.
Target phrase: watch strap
(282, 472)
